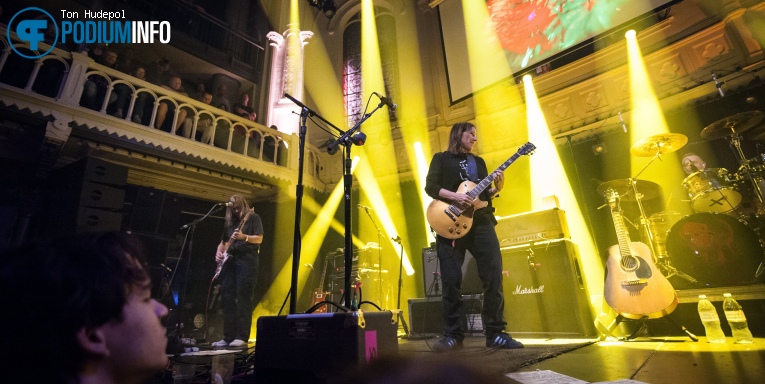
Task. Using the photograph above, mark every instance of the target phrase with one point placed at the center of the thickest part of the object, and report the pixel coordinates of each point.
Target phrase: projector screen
(533, 31)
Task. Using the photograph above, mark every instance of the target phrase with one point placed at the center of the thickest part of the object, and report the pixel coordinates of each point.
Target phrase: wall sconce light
(599, 148)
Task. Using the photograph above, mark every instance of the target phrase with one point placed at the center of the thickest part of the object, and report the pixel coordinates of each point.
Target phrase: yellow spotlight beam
(647, 119)
(548, 177)
(422, 173)
(312, 241)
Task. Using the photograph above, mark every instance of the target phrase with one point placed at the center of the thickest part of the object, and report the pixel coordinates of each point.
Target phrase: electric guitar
(319, 294)
(452, 222)
(228, 246)
(634, 287)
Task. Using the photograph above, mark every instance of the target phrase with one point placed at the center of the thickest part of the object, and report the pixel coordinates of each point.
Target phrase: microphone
(365, 207)
(693, 167)
(718, 85)
(391, 105)
(624, 126)
(226, 204)
(396, 239)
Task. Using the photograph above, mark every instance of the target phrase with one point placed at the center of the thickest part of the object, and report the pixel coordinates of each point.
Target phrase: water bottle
(711, 321)
(737, 321)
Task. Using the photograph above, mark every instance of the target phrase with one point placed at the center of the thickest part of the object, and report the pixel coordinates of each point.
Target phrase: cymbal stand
(735, 142)
(669, 270)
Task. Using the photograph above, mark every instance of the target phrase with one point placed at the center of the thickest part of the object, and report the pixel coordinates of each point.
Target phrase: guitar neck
(622, 233)
(480, 187)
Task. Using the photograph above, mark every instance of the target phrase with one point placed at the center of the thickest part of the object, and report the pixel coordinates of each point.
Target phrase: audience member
(158, 72)
(243, 109)
(199, 91)
(220, 100)
(174, 83)
(95, 87)
(204, 125)
(123, 93)
(82, 312)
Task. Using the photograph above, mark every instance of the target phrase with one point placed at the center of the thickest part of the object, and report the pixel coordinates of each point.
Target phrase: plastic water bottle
(737, 321)
(711, 321)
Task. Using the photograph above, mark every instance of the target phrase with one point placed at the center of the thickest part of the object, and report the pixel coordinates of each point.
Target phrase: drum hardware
(731, 128)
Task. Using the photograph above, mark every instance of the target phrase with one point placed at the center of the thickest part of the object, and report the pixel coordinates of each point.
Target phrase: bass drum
(715, 249)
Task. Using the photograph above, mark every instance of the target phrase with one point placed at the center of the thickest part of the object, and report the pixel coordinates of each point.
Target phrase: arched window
(352, 90)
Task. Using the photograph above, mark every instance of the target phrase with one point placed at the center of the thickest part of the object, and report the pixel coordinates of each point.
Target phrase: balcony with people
(108, 90)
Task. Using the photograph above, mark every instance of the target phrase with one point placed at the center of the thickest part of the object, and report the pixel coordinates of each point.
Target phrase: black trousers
(482, 243)
(237, 295)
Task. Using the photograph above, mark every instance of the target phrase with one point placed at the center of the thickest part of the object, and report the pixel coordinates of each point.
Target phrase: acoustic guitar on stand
(634, 287)
(453, 222)
(228, 245)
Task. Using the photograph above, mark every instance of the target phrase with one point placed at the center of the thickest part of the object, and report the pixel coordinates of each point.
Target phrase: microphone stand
(191, 228)
(345, 141)
(304, 114)
(398, 294)
(379, 259)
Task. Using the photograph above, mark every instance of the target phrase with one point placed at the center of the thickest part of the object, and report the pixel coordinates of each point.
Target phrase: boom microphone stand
(398, 295)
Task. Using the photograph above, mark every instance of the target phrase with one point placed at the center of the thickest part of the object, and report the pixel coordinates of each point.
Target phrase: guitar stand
(642, 326)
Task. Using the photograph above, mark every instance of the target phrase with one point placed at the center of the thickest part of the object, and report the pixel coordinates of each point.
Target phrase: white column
(286, 77)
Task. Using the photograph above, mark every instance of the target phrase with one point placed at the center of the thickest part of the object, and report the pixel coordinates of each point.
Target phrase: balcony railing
(62, 76)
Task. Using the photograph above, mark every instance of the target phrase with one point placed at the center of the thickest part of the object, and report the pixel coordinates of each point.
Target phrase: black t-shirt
(448, 170)
(253, 226)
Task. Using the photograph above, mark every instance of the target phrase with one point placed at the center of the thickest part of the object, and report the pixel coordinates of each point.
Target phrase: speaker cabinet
(545, 295)
(322, 345)
(431, 269)
(156, 211)
(425, 315)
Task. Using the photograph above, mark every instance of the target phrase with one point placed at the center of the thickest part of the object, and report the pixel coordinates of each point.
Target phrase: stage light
(599, 148)
(326, 6)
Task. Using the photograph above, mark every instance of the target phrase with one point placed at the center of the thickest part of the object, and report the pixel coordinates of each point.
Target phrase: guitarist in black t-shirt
(237, 255)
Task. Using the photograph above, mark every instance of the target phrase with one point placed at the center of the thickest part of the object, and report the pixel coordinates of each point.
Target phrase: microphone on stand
(226, 204)
(396, 239)
(391, 105)
(365, 207)
(718, 85)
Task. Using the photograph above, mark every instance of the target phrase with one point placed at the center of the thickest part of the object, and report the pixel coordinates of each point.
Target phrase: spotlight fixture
(326, 6)
(599, 148)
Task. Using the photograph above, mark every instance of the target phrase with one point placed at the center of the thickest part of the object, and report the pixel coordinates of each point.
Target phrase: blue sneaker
(447, 343)
(503, 341)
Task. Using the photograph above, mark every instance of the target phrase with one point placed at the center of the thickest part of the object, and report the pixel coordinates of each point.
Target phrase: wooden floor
(656, 361)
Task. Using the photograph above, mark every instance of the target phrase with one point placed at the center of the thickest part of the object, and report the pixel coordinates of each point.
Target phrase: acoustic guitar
(228, 245)
(453, 222)
(634, 287)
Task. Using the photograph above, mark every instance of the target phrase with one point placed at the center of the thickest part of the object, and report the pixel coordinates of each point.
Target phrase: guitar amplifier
(545, 293)
(531, 227)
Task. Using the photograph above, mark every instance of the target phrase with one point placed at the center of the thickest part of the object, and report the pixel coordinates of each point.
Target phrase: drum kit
(721, 243)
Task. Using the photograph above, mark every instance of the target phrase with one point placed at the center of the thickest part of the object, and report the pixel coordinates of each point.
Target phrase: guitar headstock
(527, 149)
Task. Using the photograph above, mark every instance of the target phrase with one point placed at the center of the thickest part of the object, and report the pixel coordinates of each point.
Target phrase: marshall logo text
(527, 291)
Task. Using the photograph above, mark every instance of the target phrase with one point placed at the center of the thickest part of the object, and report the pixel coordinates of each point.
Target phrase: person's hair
(51, 289)
(241, 203)
(455, 136)
(689, 154)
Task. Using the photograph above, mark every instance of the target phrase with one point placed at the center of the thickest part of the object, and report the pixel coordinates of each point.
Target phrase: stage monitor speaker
(425, 315)
(545, 295)
(322, 344)
(431, 269)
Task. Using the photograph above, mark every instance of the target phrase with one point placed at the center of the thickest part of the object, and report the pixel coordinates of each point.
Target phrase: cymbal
(730, 125)
(623, 187)
(661, 143)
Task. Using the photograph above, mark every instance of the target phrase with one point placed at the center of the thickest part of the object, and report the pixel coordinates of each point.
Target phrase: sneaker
(503, 341)
(137, 119)
(447, 343)
(238, 343)
(221, 343)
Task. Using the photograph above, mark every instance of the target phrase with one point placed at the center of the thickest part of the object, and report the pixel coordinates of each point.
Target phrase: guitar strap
(472, 168)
